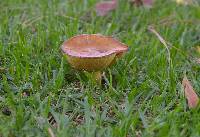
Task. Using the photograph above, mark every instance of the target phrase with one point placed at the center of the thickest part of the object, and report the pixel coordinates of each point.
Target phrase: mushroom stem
(96, 76)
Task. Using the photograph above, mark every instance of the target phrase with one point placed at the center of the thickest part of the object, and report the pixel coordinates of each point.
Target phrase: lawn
(142, 94)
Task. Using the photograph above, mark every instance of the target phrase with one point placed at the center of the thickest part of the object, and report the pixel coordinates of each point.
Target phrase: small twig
(151, 28)
(51, 134)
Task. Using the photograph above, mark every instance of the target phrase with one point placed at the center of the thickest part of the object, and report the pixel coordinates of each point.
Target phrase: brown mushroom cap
(92, 52)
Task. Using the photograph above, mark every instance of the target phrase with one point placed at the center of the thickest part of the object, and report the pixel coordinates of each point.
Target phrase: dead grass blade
(162, 40)
(151, 28)
(51, 134)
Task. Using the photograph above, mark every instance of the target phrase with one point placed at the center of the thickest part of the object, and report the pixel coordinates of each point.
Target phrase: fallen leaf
(190, 94)
(103, 8)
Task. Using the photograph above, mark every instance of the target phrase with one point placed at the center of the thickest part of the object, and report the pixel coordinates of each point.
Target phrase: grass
(143, 96)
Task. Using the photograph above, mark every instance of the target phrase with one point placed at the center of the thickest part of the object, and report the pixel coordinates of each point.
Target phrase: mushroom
(92, 53)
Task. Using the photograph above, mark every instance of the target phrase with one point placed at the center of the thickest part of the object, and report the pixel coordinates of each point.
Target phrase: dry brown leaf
(103, 8)
(190, 94)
